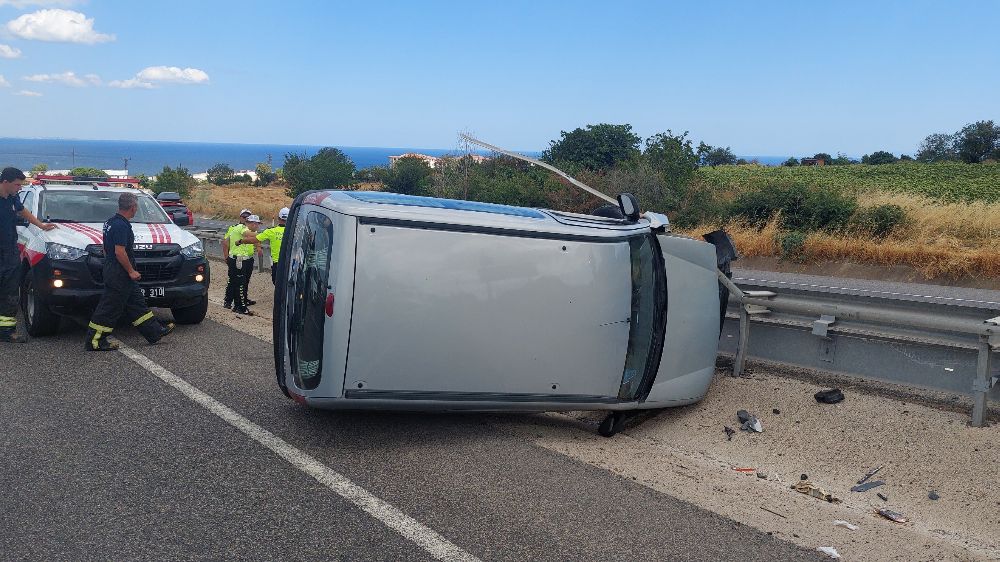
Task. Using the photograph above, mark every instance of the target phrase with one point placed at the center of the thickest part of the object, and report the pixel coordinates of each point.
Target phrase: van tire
(612, 424)
(191, 314)
(39, 320)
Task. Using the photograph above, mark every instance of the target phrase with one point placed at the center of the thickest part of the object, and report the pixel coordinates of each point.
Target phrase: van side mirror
(629, 206)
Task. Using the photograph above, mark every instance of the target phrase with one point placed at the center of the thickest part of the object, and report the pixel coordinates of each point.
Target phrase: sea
(149, 157)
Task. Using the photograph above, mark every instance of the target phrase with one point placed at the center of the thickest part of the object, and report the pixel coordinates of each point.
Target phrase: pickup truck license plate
(152, 292)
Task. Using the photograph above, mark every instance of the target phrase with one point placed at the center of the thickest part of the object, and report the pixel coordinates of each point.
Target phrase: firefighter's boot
(97, 339)
(153, 330)
(11, 336)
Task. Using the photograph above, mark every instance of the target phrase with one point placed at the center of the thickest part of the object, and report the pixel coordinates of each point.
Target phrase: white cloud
(25, 3)
(8, 52)
(3, 82)
(67, 78)
(151, 76)
(28, 94)
(65, 26)
(172, 74)
(130, 83)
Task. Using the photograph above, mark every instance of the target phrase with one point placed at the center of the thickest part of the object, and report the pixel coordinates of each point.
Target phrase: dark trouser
(231, 286)
(241, 282)
(274, 273)
(10, 278)
(122, 296)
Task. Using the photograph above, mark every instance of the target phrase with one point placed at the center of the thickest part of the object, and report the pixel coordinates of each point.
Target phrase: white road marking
(860, 290)
(425, 537)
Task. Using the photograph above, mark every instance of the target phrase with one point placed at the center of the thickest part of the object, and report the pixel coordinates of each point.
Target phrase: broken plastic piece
(749, 422)
(893, 515)
(808, 488)
(867, 486)
(882, 496)
(831, 396)
(762, 475)
(933, 495)
(742, 469)
(845, 524)
(829, 551)
(869, 474)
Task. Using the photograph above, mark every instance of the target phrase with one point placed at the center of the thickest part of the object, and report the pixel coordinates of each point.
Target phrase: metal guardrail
(937, 346)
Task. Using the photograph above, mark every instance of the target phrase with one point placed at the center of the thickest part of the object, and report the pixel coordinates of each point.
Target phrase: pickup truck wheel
(39, 320)
(191, 314)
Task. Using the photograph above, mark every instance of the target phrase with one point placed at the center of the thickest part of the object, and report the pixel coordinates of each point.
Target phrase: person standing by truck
(122, 294)
(11, 180)
(231, 286)
(273, 237)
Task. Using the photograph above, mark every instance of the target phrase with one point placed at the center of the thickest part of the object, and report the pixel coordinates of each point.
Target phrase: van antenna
(550, 167)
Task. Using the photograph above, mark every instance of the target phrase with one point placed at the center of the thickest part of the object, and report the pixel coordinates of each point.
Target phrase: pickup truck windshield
(95, 206)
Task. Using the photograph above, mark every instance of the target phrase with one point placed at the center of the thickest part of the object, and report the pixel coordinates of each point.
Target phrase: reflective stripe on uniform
(99, 332)
(7, 322)
(143, 318)
(100, 328)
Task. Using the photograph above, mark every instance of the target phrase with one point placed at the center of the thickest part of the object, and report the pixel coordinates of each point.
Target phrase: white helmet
(283, 213)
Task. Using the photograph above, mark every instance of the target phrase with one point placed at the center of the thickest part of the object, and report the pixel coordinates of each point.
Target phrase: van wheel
(612, 424)
(191, 314)
(39, 320)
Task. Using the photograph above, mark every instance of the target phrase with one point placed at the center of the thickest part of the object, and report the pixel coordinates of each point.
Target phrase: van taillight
(329, 305)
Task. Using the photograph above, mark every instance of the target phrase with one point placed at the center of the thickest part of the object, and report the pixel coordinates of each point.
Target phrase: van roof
(391, 208)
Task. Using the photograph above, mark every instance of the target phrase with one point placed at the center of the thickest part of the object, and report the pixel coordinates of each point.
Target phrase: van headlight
(195, 250)
(63, 252)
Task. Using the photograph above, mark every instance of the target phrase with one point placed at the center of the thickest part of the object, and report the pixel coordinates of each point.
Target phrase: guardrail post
(982, 384)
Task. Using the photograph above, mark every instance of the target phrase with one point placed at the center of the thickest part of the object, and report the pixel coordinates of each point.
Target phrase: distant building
(434, 161)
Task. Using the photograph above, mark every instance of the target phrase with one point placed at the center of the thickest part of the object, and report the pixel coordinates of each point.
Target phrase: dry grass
(226, 202)
(939, 240)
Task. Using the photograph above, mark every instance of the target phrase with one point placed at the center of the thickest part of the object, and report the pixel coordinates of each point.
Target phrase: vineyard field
(948, 181)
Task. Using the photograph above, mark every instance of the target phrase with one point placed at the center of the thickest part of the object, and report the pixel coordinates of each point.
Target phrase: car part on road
(808, 488)
(933, 495)
(869, 474)
(749, 422)
(729, 432)
(829, 551)
(845, 524)
(882, 497)
(867, 486)
(892, 515)
(831, 396)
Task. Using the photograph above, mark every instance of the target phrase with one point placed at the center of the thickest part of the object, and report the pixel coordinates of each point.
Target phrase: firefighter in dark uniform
(10, 256)
(122, 294)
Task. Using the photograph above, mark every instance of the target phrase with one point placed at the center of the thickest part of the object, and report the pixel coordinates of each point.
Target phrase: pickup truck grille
(156, 271)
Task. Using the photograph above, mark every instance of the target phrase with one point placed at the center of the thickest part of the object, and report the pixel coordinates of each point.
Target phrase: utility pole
(125, 159)
(72, 155)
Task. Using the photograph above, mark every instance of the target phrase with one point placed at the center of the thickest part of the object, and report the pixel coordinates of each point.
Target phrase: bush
(879, 221)
(88, 172)
(800, 207)
(409, 176)
(792, 243)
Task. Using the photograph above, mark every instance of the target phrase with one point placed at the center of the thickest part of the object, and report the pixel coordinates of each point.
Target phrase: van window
(645, 318)
(309, 274)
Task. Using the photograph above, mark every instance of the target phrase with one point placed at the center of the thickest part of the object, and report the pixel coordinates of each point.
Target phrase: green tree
(40, 168)
(88, 172)
(143, 180)
(977, 141)
(673, 156)
(173, 179)
(597, 148)
(327, 169)
(221, 174)
(842, 160)
(938, 147)
(879, 157)
(373, 174)
(823, 156)
(791, 162)
(410, 176)
(265, 175)
(709, 155)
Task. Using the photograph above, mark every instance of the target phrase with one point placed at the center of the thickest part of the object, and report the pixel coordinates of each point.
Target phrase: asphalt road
(103, 460)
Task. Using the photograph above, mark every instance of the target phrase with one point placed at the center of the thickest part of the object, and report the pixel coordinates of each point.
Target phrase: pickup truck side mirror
(629, 206)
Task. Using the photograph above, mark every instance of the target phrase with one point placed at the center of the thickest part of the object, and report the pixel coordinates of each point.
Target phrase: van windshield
(95, 206)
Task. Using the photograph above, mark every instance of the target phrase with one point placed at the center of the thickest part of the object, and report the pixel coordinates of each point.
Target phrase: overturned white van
(388, 301)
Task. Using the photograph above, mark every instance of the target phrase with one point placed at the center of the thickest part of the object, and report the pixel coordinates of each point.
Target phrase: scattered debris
(831, 396)
(893, 515)
(883, 497)
(869, 474)
(808, 488)
(867, 486)
(762, 475)
(803, 477)
(774, 512)
(829, 551)
(775, 411)
(933, 495)
(729, 432)
(845, 524)
(747, 470)
(749, 422)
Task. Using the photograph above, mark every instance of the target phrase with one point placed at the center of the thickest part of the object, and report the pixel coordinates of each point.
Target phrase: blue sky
(766, 78)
